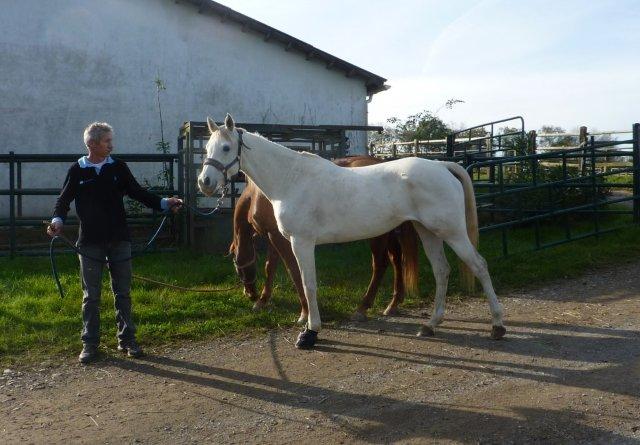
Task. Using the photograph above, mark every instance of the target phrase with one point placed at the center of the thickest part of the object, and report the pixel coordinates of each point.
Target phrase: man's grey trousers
(91, 274)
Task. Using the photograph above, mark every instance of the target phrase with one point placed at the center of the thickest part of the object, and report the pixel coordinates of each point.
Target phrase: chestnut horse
(253, 216)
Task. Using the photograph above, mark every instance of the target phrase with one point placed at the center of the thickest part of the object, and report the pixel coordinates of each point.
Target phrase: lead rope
(54, 268)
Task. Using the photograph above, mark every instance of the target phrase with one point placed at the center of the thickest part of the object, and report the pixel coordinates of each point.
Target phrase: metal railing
(461, 146)
(571, 188)
(16, 190)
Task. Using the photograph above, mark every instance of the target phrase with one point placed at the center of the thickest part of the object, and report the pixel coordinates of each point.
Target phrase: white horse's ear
(228, 122)
(213, 127)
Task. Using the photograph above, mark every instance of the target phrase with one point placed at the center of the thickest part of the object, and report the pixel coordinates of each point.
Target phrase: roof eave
(373, 82)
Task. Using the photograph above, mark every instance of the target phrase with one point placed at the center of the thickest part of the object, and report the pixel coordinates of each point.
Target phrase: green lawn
(36, 323)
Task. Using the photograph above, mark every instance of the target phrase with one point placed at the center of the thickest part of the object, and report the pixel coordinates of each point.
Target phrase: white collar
(84, 162)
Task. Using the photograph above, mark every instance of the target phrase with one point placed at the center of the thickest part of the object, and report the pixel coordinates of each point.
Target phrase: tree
(422, 126)
(559, 141)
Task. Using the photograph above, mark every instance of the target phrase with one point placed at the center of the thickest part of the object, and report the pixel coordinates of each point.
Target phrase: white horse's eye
(226, 148)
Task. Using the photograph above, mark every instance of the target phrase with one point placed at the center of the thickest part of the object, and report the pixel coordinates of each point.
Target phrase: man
(97, 183)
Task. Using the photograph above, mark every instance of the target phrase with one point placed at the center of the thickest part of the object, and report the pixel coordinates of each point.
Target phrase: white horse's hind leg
(305, 255)
(434, 248)
(467, 253)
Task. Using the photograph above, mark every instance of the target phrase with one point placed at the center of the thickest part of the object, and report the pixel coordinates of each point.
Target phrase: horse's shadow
(592, 346)
(396, 419)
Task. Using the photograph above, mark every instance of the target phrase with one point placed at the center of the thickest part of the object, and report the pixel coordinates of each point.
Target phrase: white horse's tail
(471, 214)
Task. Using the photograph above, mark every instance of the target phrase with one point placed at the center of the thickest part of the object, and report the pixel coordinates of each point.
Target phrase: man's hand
(175, 204)
(54, 229)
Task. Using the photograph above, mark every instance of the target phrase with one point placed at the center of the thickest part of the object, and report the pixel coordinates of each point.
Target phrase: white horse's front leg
(304, 249)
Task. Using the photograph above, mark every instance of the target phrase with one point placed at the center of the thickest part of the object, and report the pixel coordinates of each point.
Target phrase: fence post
(636, 173)
(394, 151)
(19, 186)
(450, 140)
(181, 192)
(12, 206)
(532, 145)
(582, 141)
(415, 148)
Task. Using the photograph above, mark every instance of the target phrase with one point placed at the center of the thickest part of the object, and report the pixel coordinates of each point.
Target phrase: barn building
(66, 63)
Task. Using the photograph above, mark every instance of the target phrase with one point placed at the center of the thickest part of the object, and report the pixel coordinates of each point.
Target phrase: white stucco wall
(66, 63)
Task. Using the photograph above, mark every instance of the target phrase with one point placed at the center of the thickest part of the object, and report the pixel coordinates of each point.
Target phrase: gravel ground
(567, 372)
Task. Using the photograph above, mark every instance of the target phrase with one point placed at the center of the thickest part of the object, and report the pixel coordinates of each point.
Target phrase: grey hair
(95, 132)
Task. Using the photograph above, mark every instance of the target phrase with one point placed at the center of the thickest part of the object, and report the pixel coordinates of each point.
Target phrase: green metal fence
(560, 196)
(16, 191)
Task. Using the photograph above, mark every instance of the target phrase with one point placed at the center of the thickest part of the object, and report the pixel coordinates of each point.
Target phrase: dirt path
(568, 372)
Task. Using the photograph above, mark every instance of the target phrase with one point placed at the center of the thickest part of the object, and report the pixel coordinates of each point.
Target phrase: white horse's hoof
(497, 332)
(359, 316)
(426, 331)
(307, 339)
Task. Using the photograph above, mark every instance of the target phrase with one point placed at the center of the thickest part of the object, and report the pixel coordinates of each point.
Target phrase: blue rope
(54, 268)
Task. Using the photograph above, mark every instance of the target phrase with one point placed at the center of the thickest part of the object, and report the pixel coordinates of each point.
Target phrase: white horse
(317, 202)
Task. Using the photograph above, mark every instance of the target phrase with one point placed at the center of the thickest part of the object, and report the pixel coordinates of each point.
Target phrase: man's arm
(137, 192)
(68, 194)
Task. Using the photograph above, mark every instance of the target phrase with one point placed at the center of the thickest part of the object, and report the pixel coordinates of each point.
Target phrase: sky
(564, 63)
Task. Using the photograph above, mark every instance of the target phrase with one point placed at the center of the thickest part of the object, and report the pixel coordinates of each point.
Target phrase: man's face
(103, 147)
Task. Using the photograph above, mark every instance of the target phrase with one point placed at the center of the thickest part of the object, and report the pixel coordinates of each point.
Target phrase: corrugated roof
(373, 82)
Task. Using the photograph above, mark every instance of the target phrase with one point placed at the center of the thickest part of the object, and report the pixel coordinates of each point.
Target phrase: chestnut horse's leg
(284, 249)
(379, 264)
(270, 269)
(395, 255)
(242, 247)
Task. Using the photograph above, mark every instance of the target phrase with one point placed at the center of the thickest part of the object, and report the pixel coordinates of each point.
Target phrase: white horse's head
(223, 156)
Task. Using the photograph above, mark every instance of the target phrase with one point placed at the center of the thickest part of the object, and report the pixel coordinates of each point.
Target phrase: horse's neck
(269, 165)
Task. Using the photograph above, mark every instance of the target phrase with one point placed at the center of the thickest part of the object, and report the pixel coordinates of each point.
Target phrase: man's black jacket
(99, 202)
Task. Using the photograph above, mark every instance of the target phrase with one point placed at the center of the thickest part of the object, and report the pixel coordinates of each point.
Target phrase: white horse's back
(346, 204)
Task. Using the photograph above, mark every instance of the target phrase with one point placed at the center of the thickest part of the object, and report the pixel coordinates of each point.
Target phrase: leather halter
(225, 168)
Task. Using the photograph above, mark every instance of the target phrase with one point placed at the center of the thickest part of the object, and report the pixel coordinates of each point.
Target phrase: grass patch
(35, 323)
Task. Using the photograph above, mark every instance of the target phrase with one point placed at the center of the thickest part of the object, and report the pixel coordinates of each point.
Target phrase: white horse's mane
(301, 153)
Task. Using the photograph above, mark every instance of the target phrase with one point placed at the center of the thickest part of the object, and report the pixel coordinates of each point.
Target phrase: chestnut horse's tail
(409, 245)
(471, 214)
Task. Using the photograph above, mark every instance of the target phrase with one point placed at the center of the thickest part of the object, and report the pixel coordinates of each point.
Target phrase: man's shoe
(89, 354)
(131, 348)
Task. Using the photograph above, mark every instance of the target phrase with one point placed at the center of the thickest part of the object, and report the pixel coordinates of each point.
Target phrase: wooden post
(450, 142)
(532, 143)
(415, 148)
(394, 151)
(582, 141)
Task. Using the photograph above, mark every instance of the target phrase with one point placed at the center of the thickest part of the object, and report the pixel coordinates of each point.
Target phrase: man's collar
(84, 162)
